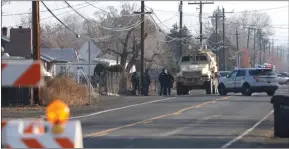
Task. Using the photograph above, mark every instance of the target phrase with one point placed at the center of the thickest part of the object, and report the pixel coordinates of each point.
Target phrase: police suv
(250, 80)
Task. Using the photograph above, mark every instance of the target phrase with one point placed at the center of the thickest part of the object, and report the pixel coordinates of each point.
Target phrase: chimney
(4, 31)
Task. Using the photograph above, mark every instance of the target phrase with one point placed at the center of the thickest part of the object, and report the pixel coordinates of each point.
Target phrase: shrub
(65, 89)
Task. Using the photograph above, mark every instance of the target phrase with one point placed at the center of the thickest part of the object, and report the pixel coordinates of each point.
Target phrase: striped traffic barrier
(56, 132)
(21, 73)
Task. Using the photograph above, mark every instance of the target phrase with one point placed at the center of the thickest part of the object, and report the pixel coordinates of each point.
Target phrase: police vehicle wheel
(179, 89)
(222, 90)
(186, 91)
(271, 93)
(246, 90)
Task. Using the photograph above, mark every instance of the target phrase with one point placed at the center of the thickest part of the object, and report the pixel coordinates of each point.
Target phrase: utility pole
(260, 46)
(277, 53)
(223, 52)
(142, 44)
(269, 50)
(254, 48)
(200, 18)
(237, 44)
(36, 43)
(273, 47)
(216, 36)
(248, 39)
(181, 27)
(218, 53)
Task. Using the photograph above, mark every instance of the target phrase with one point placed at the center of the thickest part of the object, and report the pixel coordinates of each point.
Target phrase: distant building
(20, 44)
(5, 41)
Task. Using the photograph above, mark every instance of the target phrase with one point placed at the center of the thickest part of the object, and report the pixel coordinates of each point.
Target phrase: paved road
(192, 121)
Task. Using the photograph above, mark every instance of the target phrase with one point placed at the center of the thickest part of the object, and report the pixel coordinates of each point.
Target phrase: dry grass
(65, 89)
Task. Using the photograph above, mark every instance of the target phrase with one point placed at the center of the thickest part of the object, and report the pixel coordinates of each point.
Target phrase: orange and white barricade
(21, 73)
(57, 132)
(13, 136)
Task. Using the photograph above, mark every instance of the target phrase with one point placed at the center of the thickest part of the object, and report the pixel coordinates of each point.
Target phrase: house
(96, 55)
(56, 60)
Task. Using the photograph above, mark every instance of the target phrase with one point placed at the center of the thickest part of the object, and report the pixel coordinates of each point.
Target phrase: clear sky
(167, 11)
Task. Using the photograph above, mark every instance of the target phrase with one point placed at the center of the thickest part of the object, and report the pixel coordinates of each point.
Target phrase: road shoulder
(105, 103)
(262, 137)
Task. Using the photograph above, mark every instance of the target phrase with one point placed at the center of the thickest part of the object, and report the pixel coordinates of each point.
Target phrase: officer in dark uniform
(134, 82)
(164, 82)
(171, 81)
(146, 83)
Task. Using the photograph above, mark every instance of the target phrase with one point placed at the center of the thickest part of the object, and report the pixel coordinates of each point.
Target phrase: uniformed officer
(164, 82)
(134, 82)
(146, 83)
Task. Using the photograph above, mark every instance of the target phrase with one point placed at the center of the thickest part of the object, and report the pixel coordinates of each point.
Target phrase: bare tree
(124, 30)
(56, 35)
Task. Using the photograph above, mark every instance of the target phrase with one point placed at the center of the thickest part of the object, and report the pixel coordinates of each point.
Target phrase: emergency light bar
(266, 65)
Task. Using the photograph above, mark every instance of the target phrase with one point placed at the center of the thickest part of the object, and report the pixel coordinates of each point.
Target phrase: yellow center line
(105, 132)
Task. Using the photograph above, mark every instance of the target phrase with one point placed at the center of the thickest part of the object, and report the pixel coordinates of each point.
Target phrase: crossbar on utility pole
(36, 43)
(200, 18)
(142, 44)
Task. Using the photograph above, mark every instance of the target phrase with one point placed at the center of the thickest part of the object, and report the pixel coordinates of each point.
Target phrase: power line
(25, 13)
(189, 14)
(228, 22)
(77, 35)
(75, 11)
(41, 19)
(109, 12)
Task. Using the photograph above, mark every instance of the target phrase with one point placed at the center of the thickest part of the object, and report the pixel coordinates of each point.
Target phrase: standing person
(134, 82)
(146, 83)
(163, 79)
(171, 82)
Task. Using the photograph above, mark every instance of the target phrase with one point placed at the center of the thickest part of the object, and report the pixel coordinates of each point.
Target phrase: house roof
(107, 56)
(58, 54)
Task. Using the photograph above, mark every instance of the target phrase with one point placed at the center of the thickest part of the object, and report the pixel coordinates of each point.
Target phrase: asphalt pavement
(192, 121)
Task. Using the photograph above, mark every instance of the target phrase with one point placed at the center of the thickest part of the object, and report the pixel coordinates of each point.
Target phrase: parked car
(283, 78)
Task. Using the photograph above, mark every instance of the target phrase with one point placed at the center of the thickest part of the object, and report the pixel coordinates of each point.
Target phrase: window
(186, 58)
(241, 73)
(201, 58)
(233, 74)
(262, 72)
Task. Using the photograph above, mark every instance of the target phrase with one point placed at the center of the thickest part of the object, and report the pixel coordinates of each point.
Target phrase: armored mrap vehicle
(197, 70)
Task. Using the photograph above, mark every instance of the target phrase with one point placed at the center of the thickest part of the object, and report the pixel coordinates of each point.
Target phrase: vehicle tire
(208, 87)
(246, 91)
(186, 91)
(222, 90)
(179, 89)
(271, 93)
(287, 82)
